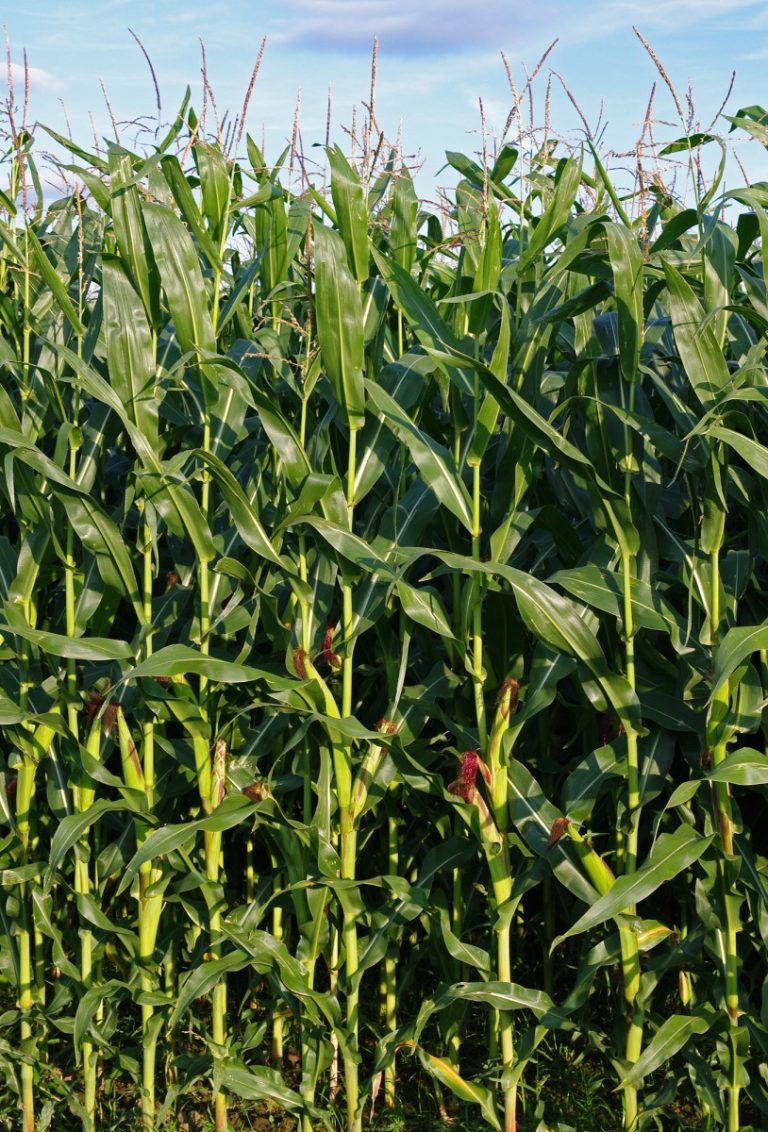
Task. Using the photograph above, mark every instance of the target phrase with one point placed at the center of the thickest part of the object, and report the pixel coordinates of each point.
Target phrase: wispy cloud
(38, 78)
(429, 27)
(432, 27)
(200, 16)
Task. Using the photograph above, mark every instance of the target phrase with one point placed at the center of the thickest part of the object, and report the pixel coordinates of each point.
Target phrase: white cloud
(198, 16)
(648, 15)
(432, 27)
(38, 78)
(425, 28)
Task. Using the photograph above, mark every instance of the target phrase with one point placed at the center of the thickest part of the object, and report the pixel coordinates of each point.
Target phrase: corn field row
(384, 638)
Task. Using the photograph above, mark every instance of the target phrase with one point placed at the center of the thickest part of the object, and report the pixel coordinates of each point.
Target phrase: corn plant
(383, 635)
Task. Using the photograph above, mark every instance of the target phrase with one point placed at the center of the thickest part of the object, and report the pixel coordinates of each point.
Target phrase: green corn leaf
(130, 353)
(95, 529)
(735, 647)
(505, 996)
(422, 604)
(467, 1091)
(556, 622)
(214, 186)
(233, 811)
(695, 339)
(743, 767)
(283, 437)
(339, 314)
(94, 998)
(239, 294)
(57, 644)
(351, 214)
(71, 829)
(242, 510)
(421, 313)
(534, 815)
(603, 589)
(201, 981)
(90, 159)
(627, 266)
(175, 501)
(181, 277)
(53, 282)
(402, 226)
(588, 781)
(257, 1083)
(182, 194)
(182, 660)
(555, 214)
(531, 423)
(131, 233)
(671, 855)
(488, 416)
(669, 1039)
(754, 453)
(272, 240)
(434, 461)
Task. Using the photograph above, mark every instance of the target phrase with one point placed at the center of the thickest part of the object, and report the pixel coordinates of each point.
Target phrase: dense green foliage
(384, 640)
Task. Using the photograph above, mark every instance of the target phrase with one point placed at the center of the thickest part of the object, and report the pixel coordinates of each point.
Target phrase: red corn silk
(92, 705)
(559, 826)
(332, 659)
(257, 791)
(508, 697)
(171, 579)
(464, 786)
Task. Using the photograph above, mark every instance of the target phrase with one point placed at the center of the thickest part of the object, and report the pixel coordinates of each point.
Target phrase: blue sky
(436, 59)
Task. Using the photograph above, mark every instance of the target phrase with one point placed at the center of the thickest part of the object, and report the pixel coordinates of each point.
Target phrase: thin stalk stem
(219, 996)
(150, 875)
(348, 831)
(630, 963)
(497, 854)
(333, 986)
(633, 765)
(25, 788)
(724, 818)
(81, 800)
(457, 927)
(390, 970)
(278, 1017)
(26, 1004)
(477, 616)
(212, 839)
